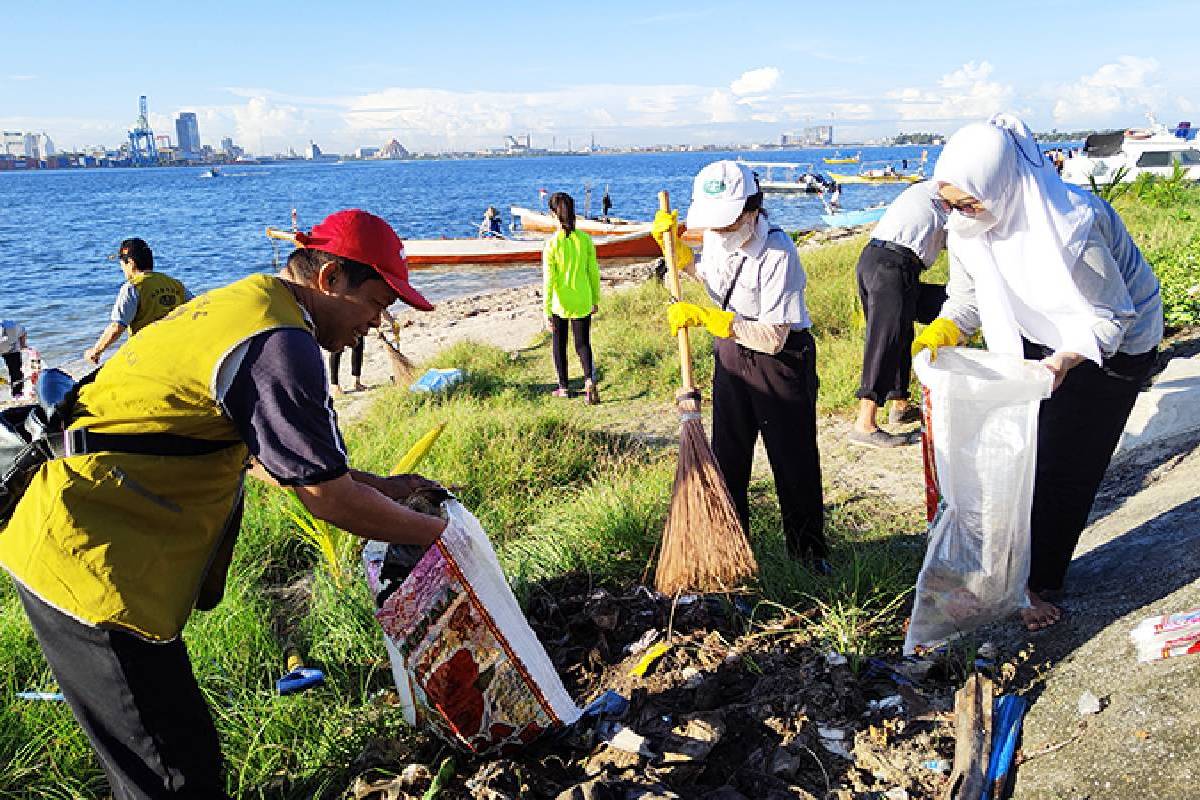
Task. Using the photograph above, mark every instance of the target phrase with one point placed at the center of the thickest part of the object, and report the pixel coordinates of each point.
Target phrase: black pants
(892, 298)
(776, 396)
(16, 378)
(1078, 430)
(356, 359)
(138, 703)
(581, 332)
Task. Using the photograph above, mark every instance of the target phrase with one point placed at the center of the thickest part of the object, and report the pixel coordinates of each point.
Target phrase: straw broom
(402, 366)
(704, 548)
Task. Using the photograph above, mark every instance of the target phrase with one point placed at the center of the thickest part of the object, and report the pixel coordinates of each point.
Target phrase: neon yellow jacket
(570, 277)
(158, 295)
(121, 540)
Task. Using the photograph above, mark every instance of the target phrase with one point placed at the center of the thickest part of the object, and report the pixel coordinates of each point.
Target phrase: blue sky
(461, 75)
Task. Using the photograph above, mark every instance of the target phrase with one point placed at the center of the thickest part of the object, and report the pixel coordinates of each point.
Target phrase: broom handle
(685, 349)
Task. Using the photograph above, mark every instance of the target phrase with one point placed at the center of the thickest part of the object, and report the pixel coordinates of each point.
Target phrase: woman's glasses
(968, 208)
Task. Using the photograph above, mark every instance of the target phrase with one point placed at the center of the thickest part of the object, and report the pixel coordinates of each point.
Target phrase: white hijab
(1022, 265)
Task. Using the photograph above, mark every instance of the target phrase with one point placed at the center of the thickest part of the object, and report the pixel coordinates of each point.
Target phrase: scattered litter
(692, 678)
(891, 703)
(628, 740)
(298, 677)
(937, 765)
(1089, 704)
(648, 638)
(51, 696)
(1007, 716)
(835, 659)
(1167, 636)
(836, 734)
(647, 661)
(609, 704)
(897, 793)
(437, 380)
(837, 748)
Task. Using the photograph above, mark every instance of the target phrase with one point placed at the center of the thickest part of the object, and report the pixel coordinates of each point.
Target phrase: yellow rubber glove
(939, 333)
(689, 315)
(663, 222)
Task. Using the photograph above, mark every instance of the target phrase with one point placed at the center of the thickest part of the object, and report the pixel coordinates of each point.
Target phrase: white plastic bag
(465, 660)
(983, 412)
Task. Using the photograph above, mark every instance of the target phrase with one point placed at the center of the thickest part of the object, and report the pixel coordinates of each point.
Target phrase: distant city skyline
(436, 79)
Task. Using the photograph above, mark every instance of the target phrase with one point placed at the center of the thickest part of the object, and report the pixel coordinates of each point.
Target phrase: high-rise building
(187, 133)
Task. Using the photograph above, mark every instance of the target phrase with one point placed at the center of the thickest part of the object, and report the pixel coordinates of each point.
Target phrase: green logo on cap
(715, 186)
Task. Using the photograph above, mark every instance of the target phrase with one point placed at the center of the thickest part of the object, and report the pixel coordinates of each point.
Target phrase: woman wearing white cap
(1050, 273)
(765, 378)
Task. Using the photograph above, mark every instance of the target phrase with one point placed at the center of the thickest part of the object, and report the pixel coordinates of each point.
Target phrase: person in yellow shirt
(116, 541)
(571, 288)
(146, 296)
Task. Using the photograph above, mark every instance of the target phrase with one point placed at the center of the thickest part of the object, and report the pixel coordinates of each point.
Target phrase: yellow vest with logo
(122, 540)
(158, 295)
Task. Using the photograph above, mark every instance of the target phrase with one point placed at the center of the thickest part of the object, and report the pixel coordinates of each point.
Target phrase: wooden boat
(785, 177)
(840, 159)
(424, 253)
(878, 176)
(541, 222)
(849, 219)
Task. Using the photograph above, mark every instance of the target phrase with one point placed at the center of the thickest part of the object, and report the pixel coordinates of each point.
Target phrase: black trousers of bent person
(892, 297)
(581, 332)
(138, 703)
(1078, 430)
(356, 361)
(776, 396)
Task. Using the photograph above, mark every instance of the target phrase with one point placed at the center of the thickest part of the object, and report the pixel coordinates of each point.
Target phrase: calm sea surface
(58, 226)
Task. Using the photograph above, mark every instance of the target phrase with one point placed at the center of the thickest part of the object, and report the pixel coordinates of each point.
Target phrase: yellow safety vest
(158, 295)
(122, 540)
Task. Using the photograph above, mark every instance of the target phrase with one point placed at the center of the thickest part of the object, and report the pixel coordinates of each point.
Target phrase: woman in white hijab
(1050, 273)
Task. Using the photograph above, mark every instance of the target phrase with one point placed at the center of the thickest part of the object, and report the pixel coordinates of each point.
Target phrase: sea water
(57, 227)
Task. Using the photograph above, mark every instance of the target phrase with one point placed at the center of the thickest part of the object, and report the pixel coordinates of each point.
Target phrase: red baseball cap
(366, 238)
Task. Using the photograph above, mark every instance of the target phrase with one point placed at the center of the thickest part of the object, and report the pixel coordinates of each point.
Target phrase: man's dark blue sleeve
(279, 401)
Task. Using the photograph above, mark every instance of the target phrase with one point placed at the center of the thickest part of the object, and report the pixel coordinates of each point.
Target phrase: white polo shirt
(913, 220)
(770, 287)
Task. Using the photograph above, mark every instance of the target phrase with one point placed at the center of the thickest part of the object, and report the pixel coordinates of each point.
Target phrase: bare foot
(1040, 615)
(336, 390)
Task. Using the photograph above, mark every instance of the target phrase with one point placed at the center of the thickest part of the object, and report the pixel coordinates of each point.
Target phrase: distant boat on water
(541, 222)
(838, 158)
(211, 172)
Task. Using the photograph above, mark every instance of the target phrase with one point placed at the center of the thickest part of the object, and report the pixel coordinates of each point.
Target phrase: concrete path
(1139, 557)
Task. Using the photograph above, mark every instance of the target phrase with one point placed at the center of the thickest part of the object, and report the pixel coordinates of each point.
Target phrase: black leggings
(581, 331)
(356, 359)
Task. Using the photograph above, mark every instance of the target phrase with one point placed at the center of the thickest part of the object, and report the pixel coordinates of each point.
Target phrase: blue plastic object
(52, 696)
(609, 704)
(437, 380)
(1007, 716)
(298, 678)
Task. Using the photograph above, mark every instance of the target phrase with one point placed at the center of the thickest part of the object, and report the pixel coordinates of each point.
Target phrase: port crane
(142, 148)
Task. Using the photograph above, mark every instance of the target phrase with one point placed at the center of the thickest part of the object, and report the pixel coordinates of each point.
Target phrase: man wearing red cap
(115, 543)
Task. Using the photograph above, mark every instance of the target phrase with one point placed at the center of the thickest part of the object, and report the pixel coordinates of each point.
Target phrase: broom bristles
(704, 548)
(402, 367)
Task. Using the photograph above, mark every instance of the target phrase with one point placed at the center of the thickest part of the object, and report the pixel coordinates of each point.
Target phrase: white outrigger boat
(1154, 150)
(784, 177)
(542, 222)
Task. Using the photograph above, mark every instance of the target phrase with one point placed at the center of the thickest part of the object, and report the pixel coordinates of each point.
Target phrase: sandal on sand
(592, 394)
(561, 392)
(878, 438)
(910, 414)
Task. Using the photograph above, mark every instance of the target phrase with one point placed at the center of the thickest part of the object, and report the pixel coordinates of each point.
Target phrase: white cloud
(1112, 89)
(721, 106)
(756, 81)
(968, 92)
(21, 77)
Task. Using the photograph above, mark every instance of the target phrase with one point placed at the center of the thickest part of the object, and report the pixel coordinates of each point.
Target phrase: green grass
(561, 487)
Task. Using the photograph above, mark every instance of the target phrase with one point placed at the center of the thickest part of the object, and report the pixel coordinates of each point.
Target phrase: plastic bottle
(1165, 623)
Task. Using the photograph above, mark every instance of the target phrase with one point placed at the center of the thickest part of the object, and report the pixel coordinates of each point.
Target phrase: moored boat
(849, 219)
(1123, 155)
(785, 177)
(838, 158)
(424, 253)
(542, 222)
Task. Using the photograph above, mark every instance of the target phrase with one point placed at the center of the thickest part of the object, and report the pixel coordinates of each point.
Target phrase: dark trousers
(892, 297)
(581, 332)
(776, 396)
(16, 378)
(138, 703)
(1078, 430)
(356, 359)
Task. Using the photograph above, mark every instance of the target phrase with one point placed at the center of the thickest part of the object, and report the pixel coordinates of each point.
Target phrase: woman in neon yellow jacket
(571, 286)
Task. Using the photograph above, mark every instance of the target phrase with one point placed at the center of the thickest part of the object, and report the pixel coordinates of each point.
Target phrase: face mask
(732, 240)
(970, 227)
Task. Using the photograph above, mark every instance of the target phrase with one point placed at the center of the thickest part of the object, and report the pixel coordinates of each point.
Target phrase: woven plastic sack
(983, 412)
(466, 662)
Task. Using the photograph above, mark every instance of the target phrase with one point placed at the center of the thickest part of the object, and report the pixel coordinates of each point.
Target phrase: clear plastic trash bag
(983, 413)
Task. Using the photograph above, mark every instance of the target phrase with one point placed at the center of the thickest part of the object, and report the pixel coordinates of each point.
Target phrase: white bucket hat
(719, 194)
